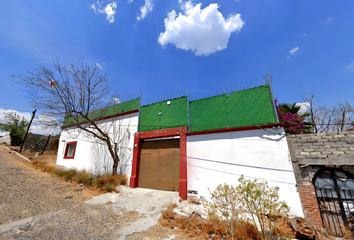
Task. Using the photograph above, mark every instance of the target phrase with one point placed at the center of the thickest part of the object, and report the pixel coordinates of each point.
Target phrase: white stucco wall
(219, 158)
(6, 138)
(92, 154)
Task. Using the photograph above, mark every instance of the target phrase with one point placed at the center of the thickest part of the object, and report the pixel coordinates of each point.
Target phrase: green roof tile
(112, 110)
(242, 108)
(173, 115)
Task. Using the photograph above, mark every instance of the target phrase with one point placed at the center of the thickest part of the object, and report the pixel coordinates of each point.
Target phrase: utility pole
(24, 139)
(46, 143)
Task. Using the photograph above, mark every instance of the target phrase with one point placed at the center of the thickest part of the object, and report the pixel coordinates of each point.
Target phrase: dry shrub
(347, 234)
(111, 180)
(109, 188)
(54, 143)
(38, 164)
(195, 226)
(48, 167)
(84, 178)
(194, 200)
(284, 228)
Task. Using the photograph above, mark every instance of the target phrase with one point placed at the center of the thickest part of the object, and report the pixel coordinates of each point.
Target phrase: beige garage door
(159, 165)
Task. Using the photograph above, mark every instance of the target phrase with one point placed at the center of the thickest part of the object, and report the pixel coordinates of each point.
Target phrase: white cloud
(350, 66)
(179, 1)
(130, 1)
(109, 10)
(36, 126)
(329, 20)
(99, 66)
(144, 10)
(294, 50)
(203, 31)
(304, 106)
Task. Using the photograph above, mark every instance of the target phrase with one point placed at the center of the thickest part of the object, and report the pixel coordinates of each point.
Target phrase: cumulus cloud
(203, 31)
(36, 126)
(304, 106)
(109, 10)
(144, 10)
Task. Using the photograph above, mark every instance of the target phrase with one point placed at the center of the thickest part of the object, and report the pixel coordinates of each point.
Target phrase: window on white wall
(70, 150)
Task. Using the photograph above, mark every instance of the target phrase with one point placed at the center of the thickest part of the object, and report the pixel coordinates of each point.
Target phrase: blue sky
(161, 47)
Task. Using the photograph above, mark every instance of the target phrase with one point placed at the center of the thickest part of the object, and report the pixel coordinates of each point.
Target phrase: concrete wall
(219, 158)
(312, 152)
(92, 154)
(6, 138)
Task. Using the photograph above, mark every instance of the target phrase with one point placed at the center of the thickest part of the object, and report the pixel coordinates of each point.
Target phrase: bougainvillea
(293, 123)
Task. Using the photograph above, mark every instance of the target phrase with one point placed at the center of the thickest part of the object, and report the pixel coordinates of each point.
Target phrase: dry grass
(347, 234)
(195, 227)
(194, 200)
(284, 228)
(106, 183)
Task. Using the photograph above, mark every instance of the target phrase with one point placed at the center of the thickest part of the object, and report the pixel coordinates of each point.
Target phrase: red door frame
(170, 132)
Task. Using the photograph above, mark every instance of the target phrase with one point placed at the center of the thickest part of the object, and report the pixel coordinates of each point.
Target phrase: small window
(70, 150)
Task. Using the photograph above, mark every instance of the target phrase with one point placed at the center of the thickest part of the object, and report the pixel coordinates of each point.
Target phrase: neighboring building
(192, 146)
(324, 169)
(6, 139)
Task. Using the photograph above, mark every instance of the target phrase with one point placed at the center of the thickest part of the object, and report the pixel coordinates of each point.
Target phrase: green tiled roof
(112, 110)
(243, 108)
(173, 115)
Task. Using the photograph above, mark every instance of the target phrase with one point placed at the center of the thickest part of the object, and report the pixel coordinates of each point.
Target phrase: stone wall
(312, 152)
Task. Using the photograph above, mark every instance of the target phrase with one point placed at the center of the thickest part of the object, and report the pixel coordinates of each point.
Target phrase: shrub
(226, 202)
(240, 209)
(262, 204)
(84, 178)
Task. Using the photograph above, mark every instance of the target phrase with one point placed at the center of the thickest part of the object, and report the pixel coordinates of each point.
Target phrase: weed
(194, 200)
(106, 183)
(109, 188)
(84, 178)
(110, 180)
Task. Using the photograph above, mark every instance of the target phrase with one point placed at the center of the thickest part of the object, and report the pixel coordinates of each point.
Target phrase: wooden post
(24, 139)
(46, 143)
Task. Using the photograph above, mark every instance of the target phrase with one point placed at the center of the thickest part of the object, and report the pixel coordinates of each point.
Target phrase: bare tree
(321, 116)
(325, 119)
(344, 116)
(74, 95)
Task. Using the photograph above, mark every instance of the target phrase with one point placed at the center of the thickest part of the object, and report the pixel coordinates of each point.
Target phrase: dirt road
(26, 192)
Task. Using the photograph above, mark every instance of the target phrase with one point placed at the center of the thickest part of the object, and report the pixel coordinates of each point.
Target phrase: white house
(192, 146)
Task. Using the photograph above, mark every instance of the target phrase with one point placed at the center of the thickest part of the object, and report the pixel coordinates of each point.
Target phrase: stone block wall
(312, 152)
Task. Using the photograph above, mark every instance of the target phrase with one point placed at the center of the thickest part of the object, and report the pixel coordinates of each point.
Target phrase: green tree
(16, 125)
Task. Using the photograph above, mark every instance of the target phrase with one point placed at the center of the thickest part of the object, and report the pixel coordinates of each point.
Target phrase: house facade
(192, 146)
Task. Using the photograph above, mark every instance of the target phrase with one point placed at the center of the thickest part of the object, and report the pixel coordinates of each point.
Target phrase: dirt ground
(27, 192)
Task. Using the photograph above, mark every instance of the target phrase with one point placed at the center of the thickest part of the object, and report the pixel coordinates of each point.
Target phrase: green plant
(84, 178)
(16, 125)
(262, 204)
(226, 202)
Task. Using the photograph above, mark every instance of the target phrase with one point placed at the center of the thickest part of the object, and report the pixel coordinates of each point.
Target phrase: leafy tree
(16, 125)
(79, 94)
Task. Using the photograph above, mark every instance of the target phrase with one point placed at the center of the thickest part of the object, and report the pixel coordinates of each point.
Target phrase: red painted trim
(103, 118)
(170, 132)
(235, 129)
(66, 149)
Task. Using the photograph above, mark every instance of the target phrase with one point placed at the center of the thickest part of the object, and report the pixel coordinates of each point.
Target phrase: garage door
(159, 165)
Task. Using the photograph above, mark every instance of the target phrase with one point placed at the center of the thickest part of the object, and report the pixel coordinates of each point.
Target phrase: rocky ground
(51, 208)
